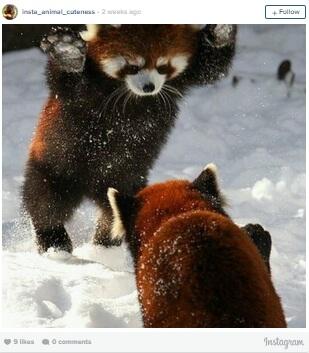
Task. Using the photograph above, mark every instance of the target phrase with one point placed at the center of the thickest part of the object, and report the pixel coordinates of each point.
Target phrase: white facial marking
(118, 230)
(162, 61)
(139, 61)
(179, 63)
(111, 66)
(141, 82)
(90, 33)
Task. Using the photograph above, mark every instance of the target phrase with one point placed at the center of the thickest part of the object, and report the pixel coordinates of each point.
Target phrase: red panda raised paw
(67, 49)
(262, 240)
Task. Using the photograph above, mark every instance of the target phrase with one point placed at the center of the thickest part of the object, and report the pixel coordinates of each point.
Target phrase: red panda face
(144, 57)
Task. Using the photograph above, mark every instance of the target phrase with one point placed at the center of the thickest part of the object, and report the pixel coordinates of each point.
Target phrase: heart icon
(7, 341)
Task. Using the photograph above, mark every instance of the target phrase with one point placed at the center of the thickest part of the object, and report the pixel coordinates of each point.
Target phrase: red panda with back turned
(194, 266)
(114, 95)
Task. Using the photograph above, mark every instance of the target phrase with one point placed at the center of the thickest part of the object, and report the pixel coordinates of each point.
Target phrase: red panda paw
(66, 48)
(262, 240)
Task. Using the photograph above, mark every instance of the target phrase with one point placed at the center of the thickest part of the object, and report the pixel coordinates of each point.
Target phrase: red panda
(194, 267)
(114, 95)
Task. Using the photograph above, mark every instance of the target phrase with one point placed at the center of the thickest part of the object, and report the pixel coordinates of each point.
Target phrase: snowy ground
(254, 133)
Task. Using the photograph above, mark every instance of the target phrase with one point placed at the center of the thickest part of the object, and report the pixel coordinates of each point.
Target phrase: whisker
(110, 97)
(163, 98)
(173, 90)
(168, 99)
(104, 104)
(118, 98)
(162, 94)
(126, 100)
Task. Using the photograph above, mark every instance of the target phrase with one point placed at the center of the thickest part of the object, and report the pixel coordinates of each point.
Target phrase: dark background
(15, 37)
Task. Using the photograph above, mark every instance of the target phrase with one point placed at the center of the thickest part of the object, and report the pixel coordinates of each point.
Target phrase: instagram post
(153, 179)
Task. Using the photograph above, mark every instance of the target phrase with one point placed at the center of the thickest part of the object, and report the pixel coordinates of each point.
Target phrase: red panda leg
(49, 201)
(54, 237)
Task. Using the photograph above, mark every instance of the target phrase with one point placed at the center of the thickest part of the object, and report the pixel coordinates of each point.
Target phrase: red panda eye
(162, 69)
(132, 69)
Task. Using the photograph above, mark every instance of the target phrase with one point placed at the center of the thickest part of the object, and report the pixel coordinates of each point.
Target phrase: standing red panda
(194, 266)
(114, 95)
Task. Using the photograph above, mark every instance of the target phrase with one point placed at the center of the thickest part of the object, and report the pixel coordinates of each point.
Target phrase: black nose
(150, 87)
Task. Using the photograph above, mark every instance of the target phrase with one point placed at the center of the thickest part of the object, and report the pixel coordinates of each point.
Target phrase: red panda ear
(122, 207)
(197, 27)
(207, 183)
(91, 32)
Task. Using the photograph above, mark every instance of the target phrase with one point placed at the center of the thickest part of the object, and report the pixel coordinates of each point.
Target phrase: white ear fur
(197, 27)
(90, 33)
(212, 167)
(118, 230)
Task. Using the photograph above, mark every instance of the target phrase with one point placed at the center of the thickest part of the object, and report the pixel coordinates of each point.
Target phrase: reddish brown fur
(132, 40)
(179, 196)
(195, 267)
(46, 121)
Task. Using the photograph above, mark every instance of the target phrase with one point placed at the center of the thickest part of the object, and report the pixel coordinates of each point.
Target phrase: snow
(254, 133)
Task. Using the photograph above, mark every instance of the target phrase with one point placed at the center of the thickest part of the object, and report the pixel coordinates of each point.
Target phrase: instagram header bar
(138, 11)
